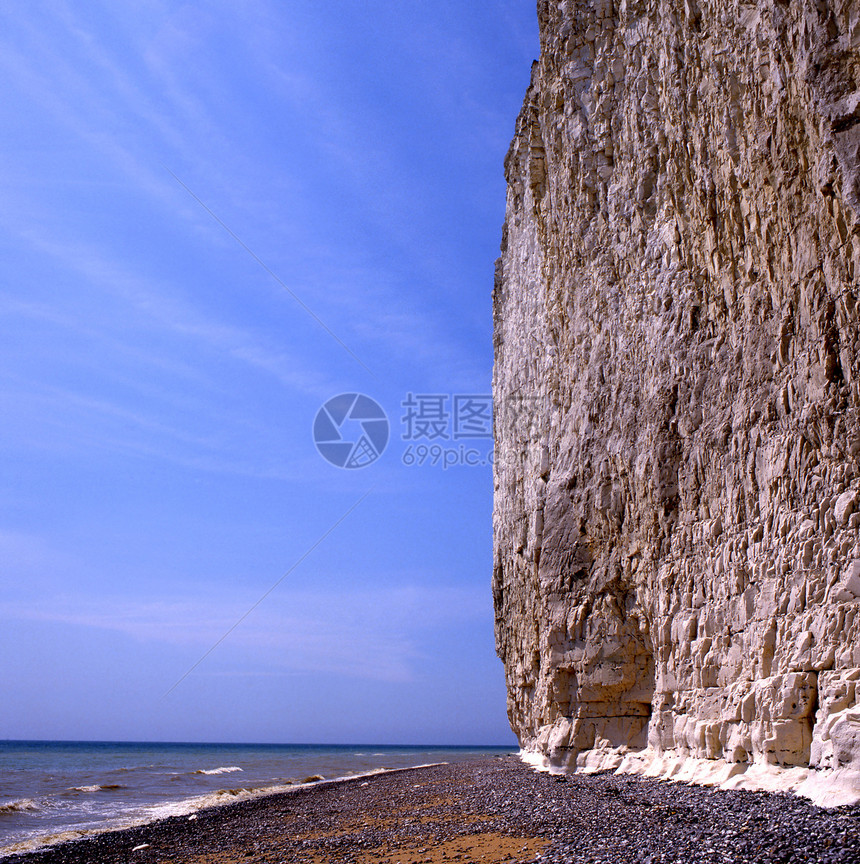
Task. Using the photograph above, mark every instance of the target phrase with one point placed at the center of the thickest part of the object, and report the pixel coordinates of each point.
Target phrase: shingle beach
(491, 810)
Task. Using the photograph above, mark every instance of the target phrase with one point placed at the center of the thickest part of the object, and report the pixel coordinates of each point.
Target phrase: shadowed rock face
(677, 385)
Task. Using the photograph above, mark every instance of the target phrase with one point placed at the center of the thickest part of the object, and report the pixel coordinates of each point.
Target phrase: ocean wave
(227, 770)
(39, 842)
(212, 799)
(107, 787)
(22, 805)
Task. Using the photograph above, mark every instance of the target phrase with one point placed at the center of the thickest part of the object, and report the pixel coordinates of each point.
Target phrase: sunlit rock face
(677, 386)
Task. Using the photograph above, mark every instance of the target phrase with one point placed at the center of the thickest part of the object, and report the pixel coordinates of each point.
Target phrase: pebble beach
(489, 810)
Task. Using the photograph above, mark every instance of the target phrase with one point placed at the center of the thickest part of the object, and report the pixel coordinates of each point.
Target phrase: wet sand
(492, 810)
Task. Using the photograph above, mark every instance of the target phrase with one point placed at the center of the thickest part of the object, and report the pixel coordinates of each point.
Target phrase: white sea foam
(22, 805)
(212, 799)
(44, 840)
(230, 769)
(231, 796)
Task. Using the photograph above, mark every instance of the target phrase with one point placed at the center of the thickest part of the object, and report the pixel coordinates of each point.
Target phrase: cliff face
(677, 386)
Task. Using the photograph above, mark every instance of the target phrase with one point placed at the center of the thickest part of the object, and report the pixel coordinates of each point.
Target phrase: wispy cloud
(149, 305)
(168, 103)
(26, 554)
(51, 420)
(373, 633)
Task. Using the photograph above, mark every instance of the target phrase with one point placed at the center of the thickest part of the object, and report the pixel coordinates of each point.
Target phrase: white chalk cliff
(677, 388)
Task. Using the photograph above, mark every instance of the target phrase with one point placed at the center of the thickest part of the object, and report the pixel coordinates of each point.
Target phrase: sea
(52, 791)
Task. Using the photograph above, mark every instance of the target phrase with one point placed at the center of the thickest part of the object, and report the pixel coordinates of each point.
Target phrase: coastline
(188, 808)
(55, 791)
(491, 810)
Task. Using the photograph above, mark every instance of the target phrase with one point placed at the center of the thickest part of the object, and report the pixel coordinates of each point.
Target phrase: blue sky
(181, 183)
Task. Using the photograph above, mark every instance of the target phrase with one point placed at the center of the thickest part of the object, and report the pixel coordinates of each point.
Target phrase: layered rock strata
(677, 386)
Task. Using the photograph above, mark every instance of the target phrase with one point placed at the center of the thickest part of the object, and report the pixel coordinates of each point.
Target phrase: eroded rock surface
(677, 382)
